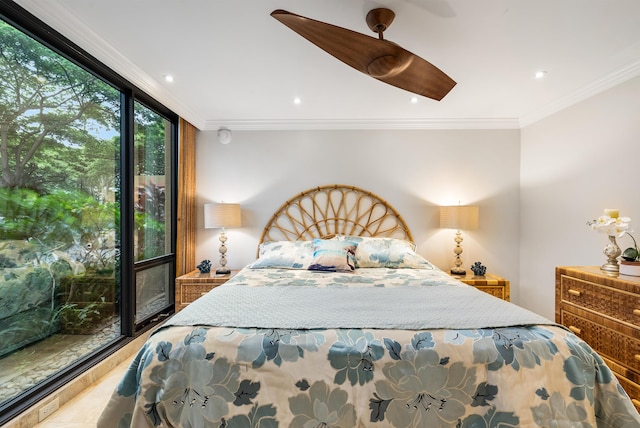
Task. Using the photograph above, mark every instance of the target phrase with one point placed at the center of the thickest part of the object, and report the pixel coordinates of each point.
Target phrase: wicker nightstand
(491, 284)
(194, 284)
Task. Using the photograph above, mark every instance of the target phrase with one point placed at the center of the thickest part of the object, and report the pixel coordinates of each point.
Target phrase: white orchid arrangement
(617, 226)
(612, 226)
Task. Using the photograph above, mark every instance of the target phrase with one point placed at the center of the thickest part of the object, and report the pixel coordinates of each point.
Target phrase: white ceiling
(237, 67)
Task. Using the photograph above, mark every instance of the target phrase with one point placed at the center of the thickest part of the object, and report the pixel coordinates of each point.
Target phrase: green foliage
(631, 254)
(50, 110)
(25, 328)
(29, 215)
(150, 140)
(59, 128)
(6, 262)
(149, 218)
(73, 316)
(58, 219)
(23, 289)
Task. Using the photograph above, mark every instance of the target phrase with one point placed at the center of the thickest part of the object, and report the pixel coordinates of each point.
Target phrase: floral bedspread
(223, 376)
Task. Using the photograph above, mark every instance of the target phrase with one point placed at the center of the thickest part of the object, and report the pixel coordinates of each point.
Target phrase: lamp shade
(218, 216)
(459, 217)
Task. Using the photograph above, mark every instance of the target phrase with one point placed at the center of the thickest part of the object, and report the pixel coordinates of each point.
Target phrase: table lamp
(221, 216)
(460, 218)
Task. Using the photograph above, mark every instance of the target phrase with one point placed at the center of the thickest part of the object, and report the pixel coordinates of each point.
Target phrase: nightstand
(491, 284)
(194, 284)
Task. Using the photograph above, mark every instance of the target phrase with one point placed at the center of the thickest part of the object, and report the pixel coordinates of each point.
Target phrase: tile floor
(82, 399)
(84, 410)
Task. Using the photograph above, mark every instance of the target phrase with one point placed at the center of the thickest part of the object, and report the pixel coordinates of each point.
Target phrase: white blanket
(321, 307)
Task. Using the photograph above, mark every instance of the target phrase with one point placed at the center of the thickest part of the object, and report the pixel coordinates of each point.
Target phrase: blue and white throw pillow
(375, 252)
(284, 255)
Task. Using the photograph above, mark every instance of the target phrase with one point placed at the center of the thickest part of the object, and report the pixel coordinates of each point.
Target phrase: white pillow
(284, 255)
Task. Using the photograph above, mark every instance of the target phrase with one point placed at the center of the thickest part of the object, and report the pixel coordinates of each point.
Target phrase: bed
(339, 322)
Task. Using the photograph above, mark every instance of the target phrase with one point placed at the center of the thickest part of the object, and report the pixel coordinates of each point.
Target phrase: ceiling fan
(376, 57)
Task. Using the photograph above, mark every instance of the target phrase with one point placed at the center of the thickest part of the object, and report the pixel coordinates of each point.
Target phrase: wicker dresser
(605, 312)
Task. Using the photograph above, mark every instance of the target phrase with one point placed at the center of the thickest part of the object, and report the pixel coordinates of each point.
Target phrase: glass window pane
(59, 213)
(152, 291)
(152, 137)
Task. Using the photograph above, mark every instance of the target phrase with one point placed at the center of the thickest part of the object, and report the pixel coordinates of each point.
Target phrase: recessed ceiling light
(540, 74)
(414, 100)
(168, 78)
(297, 100)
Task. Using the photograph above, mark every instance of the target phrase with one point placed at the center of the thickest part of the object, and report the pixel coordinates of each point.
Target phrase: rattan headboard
(335, 209)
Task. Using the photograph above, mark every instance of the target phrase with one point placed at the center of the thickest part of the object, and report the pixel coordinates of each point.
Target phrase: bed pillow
(333, 256)
(377, 241)
(374, 252)
(284, 255)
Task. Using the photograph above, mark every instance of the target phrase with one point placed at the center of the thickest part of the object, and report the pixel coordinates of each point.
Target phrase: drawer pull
(636, 357)
(575, 329)
(636, 312)
(574, 292)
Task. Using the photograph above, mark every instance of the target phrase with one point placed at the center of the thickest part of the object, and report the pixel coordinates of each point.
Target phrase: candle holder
(612, 251)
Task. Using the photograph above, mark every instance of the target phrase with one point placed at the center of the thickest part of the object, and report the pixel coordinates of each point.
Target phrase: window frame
(24, 21)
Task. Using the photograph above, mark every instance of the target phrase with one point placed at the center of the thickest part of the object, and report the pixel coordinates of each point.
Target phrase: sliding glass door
(87, 211)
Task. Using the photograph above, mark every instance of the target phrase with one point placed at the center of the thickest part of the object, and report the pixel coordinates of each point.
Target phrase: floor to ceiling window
(87, 210)
(152, 253)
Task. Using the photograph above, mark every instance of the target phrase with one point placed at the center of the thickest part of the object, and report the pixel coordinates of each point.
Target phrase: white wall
(575, 164)
(536, 188)
(415, 171)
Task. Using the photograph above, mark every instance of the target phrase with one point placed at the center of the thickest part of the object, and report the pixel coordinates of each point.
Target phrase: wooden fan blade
(380, 59)
(421, 77)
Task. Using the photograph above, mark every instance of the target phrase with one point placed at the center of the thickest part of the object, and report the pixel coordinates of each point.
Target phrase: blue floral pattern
(284, 255)
(205, 376)
(376, 252)
(322, 406)
(213, 376)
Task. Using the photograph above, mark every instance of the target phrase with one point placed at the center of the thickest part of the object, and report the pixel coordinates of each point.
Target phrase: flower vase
(612, 251)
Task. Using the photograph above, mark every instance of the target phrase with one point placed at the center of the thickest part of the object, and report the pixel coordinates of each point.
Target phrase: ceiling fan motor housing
(380, 19)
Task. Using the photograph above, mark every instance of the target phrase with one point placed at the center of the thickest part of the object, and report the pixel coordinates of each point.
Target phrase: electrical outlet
(46, 410)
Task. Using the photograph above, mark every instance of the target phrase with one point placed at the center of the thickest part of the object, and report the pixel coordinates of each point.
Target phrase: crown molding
(368, 124)
(66, 23)
(600, 85)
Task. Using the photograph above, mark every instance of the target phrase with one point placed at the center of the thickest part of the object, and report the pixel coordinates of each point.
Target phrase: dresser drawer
(494, 290)
(631, 388)
(619, 304)
(617, 342)
(190, 291)
(489, 283)
(194, 285)
(604, 311)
